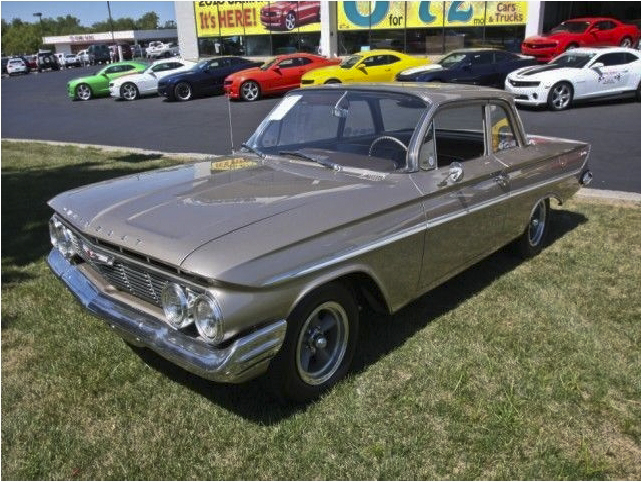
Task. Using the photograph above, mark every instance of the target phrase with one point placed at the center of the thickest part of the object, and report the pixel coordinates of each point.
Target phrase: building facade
(72, 44)
(259, 29)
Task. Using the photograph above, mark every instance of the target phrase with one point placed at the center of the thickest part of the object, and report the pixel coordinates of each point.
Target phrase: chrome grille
(134, 280)
(129, 277)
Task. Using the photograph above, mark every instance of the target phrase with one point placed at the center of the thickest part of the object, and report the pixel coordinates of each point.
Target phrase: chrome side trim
(245, 358)
(338, 258)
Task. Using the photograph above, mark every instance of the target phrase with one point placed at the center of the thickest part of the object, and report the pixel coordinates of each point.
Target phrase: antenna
(231, 128)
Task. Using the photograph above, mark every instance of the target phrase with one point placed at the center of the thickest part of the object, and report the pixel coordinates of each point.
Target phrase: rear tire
(319, 345)
(638, 93)
(560, 96)
(531, 241)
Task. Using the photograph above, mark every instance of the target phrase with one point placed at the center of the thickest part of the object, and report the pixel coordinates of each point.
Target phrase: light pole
(111, 24)
(39, 15)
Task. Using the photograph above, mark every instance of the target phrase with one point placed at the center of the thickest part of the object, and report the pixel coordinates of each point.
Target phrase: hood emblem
(96, 256)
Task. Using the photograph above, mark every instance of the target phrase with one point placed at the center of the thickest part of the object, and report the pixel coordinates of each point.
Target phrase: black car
(482, 66)
(204, 78)
(47, 61)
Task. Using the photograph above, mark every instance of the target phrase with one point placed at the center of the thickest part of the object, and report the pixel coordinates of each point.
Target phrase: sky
(87, 12)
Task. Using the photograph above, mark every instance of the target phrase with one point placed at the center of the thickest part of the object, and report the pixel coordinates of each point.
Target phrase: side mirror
(276, 69)
(597, 66)
(153, 74)
(362, 68)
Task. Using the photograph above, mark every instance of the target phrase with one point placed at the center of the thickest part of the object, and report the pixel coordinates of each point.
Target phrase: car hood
(541, 39)
(211, 222)
(542, 72)
(178, 76)
(243, 72)
(422, 68)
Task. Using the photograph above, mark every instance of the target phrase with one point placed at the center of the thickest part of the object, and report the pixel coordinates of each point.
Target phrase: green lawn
(512, 370)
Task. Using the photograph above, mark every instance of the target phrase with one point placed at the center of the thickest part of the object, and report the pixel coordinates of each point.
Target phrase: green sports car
(84, 88)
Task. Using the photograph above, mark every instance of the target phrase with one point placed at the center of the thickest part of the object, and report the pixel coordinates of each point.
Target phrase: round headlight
(208, 318)
(175, 304)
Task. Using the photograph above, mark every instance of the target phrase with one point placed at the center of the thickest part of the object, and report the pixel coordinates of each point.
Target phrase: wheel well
(366, 291)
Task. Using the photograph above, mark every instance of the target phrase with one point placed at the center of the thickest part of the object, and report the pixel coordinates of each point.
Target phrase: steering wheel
(385, 138)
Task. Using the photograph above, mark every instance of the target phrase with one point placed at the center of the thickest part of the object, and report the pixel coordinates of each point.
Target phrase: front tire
(531, 241)
(560, 96)
(129, 91)
(638, 93)
(290, 21)
(83, 92)
(319, 345)
(183, 91)
(250, 91)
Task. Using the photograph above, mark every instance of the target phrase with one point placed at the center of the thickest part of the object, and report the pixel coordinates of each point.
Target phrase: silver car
(345, 196)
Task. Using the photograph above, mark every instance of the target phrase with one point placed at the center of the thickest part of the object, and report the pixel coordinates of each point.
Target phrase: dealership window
(352, 41)
(260, 45)
(424, 41)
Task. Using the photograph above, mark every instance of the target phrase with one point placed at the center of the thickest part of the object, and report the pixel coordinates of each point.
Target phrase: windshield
(269, 63)
(572, 27)
(452, 59)
(351, 61)
(572, 60)
(341, 128)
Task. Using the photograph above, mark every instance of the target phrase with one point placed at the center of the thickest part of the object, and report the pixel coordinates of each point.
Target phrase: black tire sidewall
(283, 374)
(525, 249)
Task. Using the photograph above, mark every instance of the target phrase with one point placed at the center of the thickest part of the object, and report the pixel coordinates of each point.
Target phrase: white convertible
(131, 87)
(578, 74)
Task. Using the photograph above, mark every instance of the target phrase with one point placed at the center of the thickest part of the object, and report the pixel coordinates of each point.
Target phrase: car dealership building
(339, 28)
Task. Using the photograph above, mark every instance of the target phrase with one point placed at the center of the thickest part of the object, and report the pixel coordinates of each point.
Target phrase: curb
(583, 193)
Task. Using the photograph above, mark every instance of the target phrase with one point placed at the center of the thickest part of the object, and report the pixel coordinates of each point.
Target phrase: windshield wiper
(252, 150)
(322, 160)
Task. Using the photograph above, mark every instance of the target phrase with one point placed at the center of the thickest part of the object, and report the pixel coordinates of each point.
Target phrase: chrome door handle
(502, 179)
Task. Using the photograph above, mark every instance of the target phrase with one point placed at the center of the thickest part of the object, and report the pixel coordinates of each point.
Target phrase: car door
(375, 68)
(479, 71)
(289, 73)
(610, 72)
(462, 186)
(215, 74)
(604, 32)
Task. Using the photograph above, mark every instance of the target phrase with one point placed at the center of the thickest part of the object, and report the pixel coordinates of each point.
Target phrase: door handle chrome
(502, 179)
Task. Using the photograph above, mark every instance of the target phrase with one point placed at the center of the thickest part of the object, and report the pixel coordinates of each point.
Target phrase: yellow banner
(385, 15)
(231, 18)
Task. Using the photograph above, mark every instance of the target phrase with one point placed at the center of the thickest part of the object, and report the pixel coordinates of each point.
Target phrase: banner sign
(231, 18)
(394, 14)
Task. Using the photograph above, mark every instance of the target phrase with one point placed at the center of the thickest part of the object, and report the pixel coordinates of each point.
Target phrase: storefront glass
(257, 28)
(429, 27)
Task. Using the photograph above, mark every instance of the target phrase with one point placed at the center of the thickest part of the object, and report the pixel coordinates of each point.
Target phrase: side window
(502, 131)
(126, 68)
(482, 58)
(375, 60)
(214, 65)
(457, 135)
(287, 63)
(630, 58)
(112, 70)
(159, 68)
(359, 121)
(611, 59)
(304, 61)
(392, 59)
(427, 156)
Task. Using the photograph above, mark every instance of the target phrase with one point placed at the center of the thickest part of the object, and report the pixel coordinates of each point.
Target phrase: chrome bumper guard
(246, 358)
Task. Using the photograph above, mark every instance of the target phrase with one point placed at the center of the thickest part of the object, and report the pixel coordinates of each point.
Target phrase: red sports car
(581, 32)
(277, 76)
(289, 15)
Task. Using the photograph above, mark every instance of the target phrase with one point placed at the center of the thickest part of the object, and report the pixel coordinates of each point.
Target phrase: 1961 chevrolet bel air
(344, 196)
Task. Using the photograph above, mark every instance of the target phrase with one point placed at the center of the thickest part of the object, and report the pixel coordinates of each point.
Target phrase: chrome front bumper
(244, 359)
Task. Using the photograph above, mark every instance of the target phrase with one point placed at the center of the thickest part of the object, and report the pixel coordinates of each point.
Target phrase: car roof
(378, 52)
(472, 50)
(433, 92)
(601, 50)
(588, 19)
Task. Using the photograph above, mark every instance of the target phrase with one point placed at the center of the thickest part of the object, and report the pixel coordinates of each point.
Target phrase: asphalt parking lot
(36, 106)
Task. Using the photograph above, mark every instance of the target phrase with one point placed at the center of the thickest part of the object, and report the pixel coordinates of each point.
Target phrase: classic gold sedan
(372, 66)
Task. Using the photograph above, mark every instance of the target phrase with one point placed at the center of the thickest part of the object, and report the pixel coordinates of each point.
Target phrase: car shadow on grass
(25, 213)
(379, 334)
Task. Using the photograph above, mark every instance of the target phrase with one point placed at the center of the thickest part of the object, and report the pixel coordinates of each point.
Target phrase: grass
(512, 370)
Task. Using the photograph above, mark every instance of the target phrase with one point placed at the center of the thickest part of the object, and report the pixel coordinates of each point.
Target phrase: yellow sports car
(372, 66)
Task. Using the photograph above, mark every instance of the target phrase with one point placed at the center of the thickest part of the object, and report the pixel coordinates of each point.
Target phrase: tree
(149, 21)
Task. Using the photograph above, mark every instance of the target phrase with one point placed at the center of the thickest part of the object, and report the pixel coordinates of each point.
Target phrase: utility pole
(42, 33)
(111, 24)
